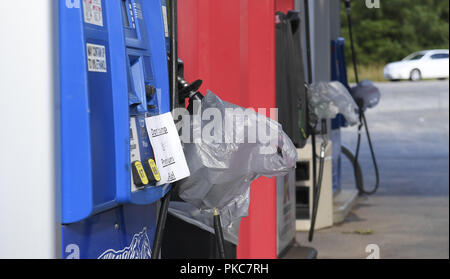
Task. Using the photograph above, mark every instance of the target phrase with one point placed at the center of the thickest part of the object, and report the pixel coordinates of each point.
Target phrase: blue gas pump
(113, 74)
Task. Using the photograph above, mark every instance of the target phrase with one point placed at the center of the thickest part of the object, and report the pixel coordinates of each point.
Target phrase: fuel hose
(363, 120)
(219, 234)
(173, 59)
(318, 187)
(161, 224)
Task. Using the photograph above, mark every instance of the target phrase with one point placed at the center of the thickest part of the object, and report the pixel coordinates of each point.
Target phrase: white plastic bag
(327, 99)
(222, 170)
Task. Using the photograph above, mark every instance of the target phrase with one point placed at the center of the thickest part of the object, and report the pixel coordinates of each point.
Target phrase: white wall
(27, 125)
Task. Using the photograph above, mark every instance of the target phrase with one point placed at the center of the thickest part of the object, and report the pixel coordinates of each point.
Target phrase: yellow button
(139, 176)
(154, 170)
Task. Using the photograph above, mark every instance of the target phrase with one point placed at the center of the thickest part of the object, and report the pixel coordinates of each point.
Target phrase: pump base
(343, 203)
(297, 251)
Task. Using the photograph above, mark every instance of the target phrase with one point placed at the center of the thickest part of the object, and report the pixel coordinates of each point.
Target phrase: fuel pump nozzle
(188, 90)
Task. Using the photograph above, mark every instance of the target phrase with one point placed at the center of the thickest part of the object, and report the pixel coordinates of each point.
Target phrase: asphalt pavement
(409, 216)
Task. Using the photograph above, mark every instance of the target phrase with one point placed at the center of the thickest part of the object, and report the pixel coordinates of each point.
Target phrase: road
(409, 216)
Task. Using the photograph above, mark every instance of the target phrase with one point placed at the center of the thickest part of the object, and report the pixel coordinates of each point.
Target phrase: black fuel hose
(360, 185)
(363, 120)
(350, 31)
(317, 188)
(316, 197)
(316, 181)
(219, 234)
(173, 58)
(161, 224)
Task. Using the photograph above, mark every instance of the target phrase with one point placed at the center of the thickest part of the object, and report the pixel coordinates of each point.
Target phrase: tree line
(396, 29)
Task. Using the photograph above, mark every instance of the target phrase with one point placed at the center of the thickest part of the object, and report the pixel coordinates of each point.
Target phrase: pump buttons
(140, 178)
(145, 174)
(152, 171)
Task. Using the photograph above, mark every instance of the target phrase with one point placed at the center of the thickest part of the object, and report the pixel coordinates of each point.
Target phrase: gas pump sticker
(139, 249)
(96, 55)
(93, 12)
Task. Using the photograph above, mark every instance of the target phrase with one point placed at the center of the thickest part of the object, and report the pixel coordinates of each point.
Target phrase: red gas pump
(231, 46)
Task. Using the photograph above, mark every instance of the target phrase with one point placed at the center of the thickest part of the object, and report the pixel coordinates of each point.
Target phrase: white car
(419, 65)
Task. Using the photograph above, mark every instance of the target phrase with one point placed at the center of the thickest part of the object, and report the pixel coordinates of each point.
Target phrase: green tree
(396, 29)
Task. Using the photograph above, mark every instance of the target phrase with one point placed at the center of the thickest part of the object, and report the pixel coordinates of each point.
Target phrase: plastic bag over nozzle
(366, 94)
(227, 148)
(327, 99)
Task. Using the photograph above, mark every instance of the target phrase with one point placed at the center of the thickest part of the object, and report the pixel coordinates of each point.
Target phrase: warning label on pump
(166, 143)
(93, 12)
(96, 55)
